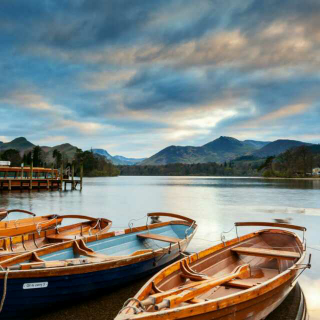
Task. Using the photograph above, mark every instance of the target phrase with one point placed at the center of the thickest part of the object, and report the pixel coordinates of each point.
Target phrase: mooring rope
(130, 224)
(136, 310)
(38, 226)
(4, 288)
(313, 248)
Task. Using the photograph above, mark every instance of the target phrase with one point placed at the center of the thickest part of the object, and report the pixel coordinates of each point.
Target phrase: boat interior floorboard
(225, 289)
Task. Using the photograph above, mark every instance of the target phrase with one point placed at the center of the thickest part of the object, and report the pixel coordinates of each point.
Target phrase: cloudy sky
(136, 76)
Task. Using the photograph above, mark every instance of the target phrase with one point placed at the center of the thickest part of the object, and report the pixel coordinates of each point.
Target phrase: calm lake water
(216, 203)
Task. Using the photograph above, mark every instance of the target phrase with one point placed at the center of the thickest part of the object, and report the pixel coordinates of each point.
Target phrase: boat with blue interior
(77, 268)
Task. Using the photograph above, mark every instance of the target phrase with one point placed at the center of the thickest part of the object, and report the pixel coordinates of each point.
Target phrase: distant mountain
(219, 150)
(21, 144)
(102, 152)
(117, 160)
(1, 143)
(256, 144)
(279, 146)
(126, 161)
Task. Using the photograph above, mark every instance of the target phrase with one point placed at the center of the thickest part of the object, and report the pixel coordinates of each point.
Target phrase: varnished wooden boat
(3, 214)
(21, 226)
(77, 268)
(244, 278)
(31, 241)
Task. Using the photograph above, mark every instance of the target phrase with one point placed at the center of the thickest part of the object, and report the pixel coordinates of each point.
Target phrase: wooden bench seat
(61, 237)
(269, 253)
(158, 237)
(241, 284)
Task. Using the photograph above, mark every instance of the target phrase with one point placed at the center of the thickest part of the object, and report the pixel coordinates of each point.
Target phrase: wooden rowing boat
(76, 268)
(21, 226)
(244, 278)
(31, 241)
(3, 214)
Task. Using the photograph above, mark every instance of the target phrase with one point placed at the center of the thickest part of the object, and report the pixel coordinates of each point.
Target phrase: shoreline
(230, 177)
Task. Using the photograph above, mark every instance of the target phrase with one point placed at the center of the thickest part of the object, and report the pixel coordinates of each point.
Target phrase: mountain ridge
(222, 149)
(219, 150)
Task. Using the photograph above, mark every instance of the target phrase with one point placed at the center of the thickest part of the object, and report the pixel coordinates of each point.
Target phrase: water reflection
(216, 203)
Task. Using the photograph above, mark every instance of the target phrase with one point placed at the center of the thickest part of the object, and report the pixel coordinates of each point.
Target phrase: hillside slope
(279, 146)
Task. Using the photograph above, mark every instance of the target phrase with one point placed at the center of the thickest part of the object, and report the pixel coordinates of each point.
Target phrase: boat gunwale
(66, 230)
(214, 304)
(11, 230)
(61, 228)
(97, 266)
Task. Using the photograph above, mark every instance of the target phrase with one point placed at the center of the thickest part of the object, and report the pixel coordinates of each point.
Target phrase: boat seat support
(158, 237)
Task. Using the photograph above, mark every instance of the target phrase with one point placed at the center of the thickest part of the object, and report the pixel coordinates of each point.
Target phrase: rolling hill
(279, 146)
(21, 144)
(68, 151)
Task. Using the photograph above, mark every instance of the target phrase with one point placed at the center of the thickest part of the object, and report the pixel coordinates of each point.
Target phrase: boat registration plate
(35, 285)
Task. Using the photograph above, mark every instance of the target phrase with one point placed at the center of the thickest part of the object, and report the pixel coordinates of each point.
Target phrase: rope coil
(135, 309)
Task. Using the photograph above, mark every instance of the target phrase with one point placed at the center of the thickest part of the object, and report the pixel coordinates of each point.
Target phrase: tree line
(241, 168)
(93, 165)
(295, 162)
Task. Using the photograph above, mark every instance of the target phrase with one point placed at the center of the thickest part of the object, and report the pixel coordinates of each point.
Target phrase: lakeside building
(316, 171)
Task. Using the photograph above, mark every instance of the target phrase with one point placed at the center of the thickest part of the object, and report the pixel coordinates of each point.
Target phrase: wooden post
(9, 184)
(21, 182)
(31, 174)
(72, 170)
(81, 176)
(61, 176)
(39, 181)
(52, 174)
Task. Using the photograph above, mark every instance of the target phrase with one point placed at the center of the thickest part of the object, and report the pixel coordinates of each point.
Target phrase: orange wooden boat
(32, 241)
(244, 278)
(3, 214)
(21, 226)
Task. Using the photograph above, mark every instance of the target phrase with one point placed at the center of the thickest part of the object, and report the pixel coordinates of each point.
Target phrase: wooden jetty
(29, 178)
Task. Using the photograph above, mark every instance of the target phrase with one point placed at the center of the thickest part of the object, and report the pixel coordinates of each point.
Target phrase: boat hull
(255, 309)
(65, 288)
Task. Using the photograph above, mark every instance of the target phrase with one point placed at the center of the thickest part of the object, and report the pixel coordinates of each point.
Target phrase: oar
(187, 294)
(158, 297)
